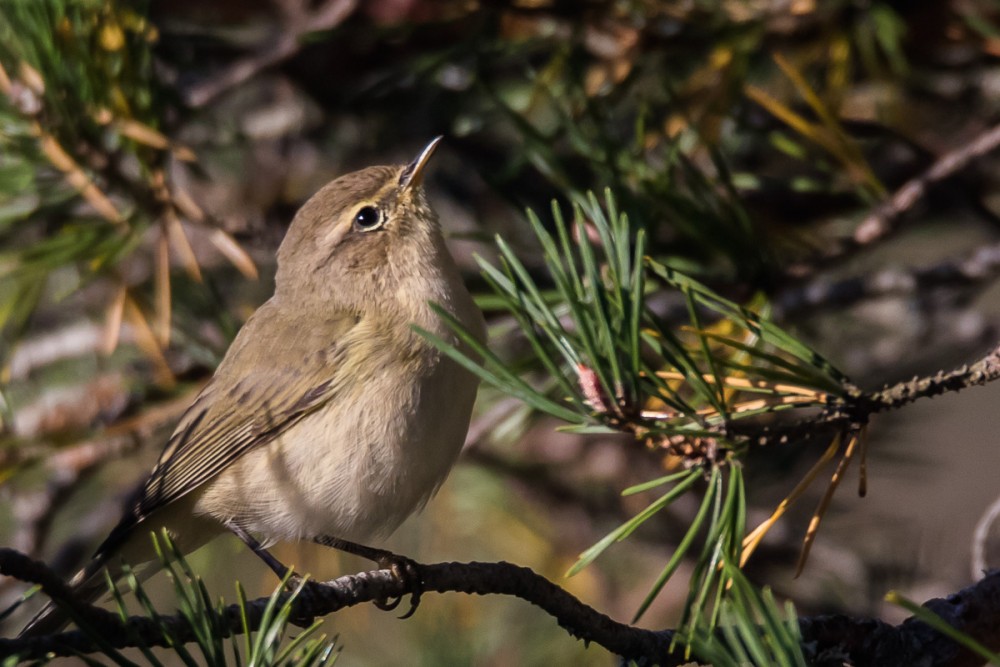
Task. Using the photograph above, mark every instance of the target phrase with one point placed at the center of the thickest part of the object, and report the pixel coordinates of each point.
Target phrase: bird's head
(363, 238)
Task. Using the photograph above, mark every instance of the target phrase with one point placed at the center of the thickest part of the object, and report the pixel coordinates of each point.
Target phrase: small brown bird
(329, 419)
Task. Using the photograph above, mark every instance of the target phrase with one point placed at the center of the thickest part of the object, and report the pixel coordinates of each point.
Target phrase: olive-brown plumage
(329, 416)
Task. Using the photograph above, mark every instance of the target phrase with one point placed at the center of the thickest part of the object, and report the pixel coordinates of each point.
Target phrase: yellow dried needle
(751, 541)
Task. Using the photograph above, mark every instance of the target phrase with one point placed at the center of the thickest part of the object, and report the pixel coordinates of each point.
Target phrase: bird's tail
(87, 586)
(126, 544)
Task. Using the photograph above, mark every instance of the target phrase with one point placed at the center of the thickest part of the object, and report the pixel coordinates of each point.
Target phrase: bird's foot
(406, 571)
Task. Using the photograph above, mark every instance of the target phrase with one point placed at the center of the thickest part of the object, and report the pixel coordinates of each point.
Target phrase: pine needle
(753, 540)
(824, 504)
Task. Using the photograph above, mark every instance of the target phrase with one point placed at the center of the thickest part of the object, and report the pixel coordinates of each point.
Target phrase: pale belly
(355, 468)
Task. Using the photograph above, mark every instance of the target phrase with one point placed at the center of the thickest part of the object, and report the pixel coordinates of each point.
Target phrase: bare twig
(883, 219)
(975, 610)
(297, 22)
(981, 372)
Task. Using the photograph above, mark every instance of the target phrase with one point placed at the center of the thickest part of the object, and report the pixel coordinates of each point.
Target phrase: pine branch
(578, 619)
(981, 372)
(974, 610)
(855, 410)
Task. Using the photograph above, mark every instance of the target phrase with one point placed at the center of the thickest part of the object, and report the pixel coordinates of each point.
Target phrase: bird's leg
(403, 568)
(277, 566)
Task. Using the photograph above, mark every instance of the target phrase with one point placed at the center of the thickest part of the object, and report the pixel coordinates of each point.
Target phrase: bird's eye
(368, 219)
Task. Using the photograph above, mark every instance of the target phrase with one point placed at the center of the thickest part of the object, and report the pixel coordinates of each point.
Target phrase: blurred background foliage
(152, 154)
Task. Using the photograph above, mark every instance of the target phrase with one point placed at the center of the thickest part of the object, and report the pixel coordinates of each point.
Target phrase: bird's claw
(387, 604)
(405, 571)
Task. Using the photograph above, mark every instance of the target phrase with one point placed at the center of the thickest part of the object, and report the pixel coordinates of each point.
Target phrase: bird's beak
(414, 172)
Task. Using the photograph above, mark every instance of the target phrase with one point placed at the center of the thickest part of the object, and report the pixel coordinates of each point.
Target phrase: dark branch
(578, 619)
(976, 268)
(975, 611)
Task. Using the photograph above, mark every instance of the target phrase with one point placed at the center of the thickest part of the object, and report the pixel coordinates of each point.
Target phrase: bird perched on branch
(329, 419)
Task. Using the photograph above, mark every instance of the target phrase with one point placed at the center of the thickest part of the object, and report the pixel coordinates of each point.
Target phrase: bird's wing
(272, 376)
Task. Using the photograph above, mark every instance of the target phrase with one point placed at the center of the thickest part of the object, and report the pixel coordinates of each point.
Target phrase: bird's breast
(360, 464)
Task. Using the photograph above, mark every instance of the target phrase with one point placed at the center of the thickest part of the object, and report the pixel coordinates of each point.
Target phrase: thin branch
(297, 24)
(854, 410)
(885, 217)
(896, 396)
(975, 610)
